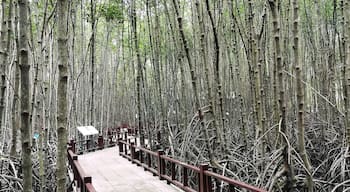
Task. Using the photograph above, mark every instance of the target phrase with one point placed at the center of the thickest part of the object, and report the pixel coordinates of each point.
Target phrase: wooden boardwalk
(112, 173)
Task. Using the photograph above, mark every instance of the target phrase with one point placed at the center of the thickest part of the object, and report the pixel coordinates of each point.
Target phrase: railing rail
(82, 181)
(88, 145)
(80, 178)
(156, 162)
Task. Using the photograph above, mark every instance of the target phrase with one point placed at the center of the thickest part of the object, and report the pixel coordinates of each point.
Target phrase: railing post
(118, 135)
(126, 136)
(75, 171)
(120, 144)
(135, 139)
(126, 149)
(202, 178)
(87, 144)
(217, 182)
(209, 183)
(161, 168)
(149, 160)
(87, 179)
(132, 151)
(185, 179)
(72, 145)
(173, 173)
(141, 156)
(100, 142)
(110, 139)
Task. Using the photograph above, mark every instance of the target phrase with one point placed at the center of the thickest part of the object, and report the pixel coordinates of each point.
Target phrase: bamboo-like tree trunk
(300, 96)
(3, 62)
(92, 53)
(347, 70)
(139, 72)
(62, 12)
(158, 69)
(15, 117)
(72, 117)
(287, 167)
(154, 40)
(259, 89)
(219, 97)
(181, 105)
(188, 56)
(40, 100)
(203, 54)
(235, 46)
(25, 88)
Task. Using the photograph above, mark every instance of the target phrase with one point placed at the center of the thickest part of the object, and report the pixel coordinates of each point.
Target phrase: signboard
(87, 130)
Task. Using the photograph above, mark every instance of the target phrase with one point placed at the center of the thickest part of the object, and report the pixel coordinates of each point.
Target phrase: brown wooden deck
(112, 173)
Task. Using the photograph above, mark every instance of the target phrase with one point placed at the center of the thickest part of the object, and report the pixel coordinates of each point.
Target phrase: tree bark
(300, 96)
(3, 63)
(15, 116)
(25, 89)
(92, 52)
(139, 72)
(188, 56)
(287, 167)
(347, 70)
(218, 86)
(62, 12)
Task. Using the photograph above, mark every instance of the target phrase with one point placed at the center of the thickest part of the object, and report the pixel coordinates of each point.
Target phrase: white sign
(87, 130)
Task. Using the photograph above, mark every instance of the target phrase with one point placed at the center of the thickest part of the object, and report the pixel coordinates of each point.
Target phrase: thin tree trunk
(189, 60)
(203, 54)
(235, 46)
(139, 72)
(287, 167)
(300, 96)
(62, 12)
(15, 108)
(3, 63)
(92, 52)
(347, 69)
(25, 88)
(218, 96)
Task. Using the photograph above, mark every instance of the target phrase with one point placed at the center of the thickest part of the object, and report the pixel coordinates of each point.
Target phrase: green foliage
(111, 11)
(328, 9)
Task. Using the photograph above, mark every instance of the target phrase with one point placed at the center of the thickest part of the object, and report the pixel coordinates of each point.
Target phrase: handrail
(205, 176)
(88, 145)
(231, 181)
(80, 178)
(83, 181)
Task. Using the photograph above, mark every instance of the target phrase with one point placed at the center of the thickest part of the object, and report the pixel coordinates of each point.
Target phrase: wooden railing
(166, 168)
(89, 145)
(81, 180)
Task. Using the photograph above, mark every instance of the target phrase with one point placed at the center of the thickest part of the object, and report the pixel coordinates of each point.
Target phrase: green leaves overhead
(111, 11)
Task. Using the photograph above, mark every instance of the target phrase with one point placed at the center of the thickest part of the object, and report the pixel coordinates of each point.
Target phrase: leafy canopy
(111, 11)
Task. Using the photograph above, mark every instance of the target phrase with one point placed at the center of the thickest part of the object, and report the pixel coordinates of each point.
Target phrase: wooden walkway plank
(112, 173)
